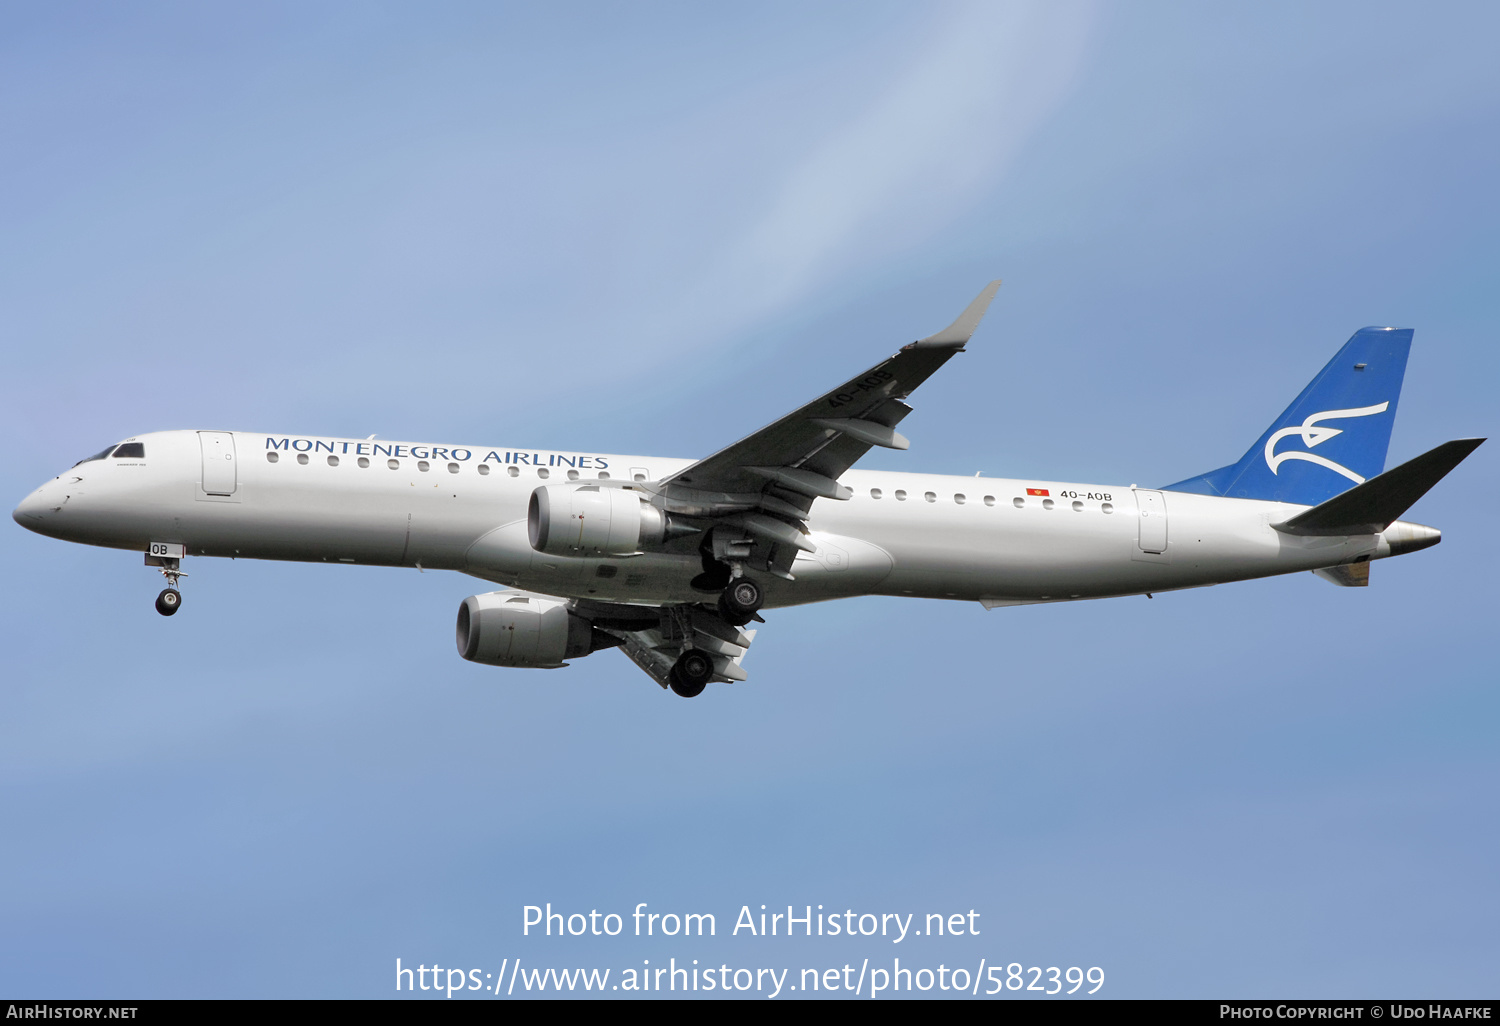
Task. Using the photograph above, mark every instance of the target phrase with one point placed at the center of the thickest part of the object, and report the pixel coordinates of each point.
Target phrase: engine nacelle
(589, 520)
(517, 628)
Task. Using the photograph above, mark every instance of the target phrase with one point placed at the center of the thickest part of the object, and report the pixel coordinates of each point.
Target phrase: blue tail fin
(1332, 437)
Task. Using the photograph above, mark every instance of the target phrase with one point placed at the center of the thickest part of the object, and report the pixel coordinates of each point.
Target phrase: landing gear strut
(724, 553)
(170, 599)
(690, 674)
(714, 577)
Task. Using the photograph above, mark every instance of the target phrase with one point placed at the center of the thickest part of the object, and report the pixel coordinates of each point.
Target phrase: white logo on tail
(1313, 435)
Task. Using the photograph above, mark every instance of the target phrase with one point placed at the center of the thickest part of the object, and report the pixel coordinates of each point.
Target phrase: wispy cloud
(910, 162)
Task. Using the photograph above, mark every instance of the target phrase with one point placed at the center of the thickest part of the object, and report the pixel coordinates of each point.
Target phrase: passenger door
(1153, 521)
(219, 473)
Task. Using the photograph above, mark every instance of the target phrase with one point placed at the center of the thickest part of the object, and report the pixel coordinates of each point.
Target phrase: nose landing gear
(170, 599)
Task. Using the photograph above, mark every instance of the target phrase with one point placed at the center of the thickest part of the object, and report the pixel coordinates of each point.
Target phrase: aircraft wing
(765, 484)
(829, 434)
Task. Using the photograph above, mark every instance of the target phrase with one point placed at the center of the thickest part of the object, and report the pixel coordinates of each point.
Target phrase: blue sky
(652, 229)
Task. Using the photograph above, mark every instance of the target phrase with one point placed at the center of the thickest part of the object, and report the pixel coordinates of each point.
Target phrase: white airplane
(670, 559)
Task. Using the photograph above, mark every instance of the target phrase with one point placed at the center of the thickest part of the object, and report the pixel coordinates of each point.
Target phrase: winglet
(955, 335)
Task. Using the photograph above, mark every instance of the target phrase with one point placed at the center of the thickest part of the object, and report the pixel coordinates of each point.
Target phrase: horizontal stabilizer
(1371, 507)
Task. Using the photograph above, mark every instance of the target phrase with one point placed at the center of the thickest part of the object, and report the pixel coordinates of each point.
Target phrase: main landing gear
(738, 605)
(740, 601)
(740, 597)
(690, 674)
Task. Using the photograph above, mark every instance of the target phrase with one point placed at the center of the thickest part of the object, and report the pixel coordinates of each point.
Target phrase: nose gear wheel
(170, 599)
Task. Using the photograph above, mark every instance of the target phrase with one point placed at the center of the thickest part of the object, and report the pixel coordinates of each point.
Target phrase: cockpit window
(96, 456)
(127, 451)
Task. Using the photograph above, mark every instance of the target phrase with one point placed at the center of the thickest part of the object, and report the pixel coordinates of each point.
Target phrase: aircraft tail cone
(1403, 537)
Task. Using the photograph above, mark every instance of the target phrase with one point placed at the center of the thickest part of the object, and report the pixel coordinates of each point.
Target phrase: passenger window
(543, 473)
(423, 466)
(484, 469)
(1077, 506)
(875, 493)
(333, 461)
(453, 468)
(271, 457)
(1108, 507)
(1018, 502)
(1048, 504)
(363, 463)
(131, 451)
(513, 471)
(604, 475)
(989, 500)
(572, 475)
(929, 496)
(900, 495)
(960, 498)
(302, 458)
(393, 464)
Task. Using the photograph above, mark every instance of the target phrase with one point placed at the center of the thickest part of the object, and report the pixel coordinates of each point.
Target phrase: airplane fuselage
(464, 508)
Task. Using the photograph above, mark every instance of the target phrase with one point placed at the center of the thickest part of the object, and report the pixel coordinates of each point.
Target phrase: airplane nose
(32, 510)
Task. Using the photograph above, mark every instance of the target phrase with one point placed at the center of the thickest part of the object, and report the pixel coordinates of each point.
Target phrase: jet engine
(517, 628)
(589, 520)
